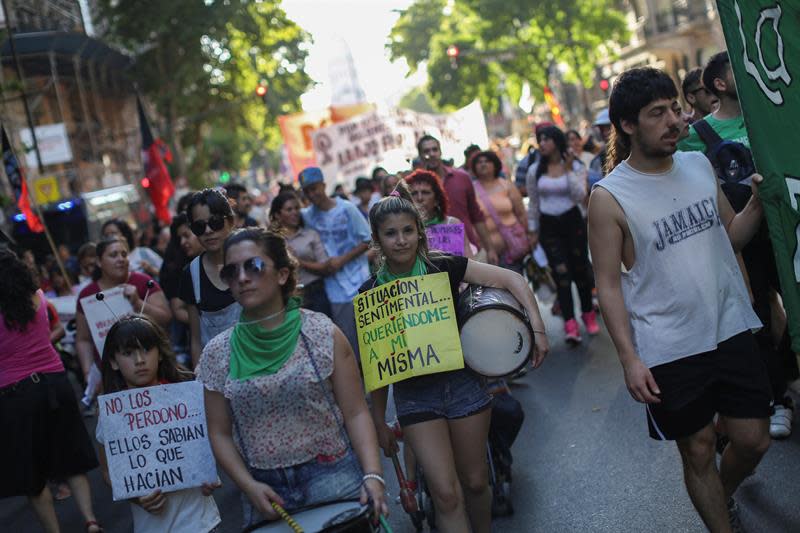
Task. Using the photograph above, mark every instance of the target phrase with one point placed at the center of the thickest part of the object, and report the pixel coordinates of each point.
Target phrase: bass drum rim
(263, 523)
(516, 312)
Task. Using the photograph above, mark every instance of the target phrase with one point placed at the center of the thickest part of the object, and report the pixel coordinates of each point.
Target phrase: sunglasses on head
(215, 222)
(255, 266)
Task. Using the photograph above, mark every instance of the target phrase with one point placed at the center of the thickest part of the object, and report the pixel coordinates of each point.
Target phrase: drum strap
(328, 394)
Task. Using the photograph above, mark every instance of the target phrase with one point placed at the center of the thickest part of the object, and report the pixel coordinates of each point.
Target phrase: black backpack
(732, 162)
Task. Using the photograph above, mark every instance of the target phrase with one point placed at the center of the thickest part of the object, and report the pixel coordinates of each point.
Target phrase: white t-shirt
(185, 511)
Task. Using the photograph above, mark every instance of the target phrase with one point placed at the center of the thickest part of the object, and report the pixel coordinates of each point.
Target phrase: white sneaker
(780, 423)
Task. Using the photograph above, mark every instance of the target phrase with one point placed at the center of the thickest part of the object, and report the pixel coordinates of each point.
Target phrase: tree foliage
(510, 41)
(199, 61)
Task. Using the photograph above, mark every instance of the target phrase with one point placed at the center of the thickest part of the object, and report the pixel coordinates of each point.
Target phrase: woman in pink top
(501, 200)
(43, 433)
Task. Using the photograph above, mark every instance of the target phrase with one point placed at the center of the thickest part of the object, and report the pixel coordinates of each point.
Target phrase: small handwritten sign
(156, 438)
(447, 238)
(101, 314)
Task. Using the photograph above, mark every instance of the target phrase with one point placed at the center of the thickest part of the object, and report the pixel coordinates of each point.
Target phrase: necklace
(263, 318)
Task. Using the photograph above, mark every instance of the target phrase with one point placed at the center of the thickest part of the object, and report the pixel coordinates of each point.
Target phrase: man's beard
(650, 151)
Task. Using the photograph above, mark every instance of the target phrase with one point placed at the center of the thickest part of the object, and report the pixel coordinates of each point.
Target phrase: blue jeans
(324, 479)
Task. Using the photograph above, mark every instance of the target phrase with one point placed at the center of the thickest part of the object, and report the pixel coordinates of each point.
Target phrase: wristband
(376, 477)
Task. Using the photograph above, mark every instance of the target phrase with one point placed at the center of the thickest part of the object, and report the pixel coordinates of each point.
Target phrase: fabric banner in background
(388, 138)
(297, 129)
(763, 38)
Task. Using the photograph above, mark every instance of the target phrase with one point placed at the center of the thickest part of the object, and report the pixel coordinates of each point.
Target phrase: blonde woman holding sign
(286, 414)
(444, 416)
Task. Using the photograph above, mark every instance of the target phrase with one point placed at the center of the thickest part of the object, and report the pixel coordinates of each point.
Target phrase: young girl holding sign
(445, 416)
(137, 354)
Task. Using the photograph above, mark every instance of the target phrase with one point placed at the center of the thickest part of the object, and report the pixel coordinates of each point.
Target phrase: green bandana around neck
(257, 351)
(384, 276)
(434, 221)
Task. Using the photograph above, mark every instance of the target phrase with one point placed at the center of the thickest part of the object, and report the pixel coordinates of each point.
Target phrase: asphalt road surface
(582, 462)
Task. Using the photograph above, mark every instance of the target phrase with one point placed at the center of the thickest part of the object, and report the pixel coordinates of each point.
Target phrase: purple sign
(447, 238)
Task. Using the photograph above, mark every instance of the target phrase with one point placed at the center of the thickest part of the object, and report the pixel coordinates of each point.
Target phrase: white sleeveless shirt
(685, 293)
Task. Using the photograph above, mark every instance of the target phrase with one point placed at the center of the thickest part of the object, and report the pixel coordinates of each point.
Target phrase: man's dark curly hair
(16, 289)
(633, 90)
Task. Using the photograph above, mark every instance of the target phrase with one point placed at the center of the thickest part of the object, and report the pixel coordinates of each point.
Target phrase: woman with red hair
(431, 200)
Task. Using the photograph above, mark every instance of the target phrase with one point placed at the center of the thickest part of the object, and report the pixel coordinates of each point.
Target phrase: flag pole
(29, 119)
(38, 211)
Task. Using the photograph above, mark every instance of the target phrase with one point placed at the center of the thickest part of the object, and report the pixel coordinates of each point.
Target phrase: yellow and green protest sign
(407, 328)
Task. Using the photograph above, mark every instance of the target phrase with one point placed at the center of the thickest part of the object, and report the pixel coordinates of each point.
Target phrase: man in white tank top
(679, 315)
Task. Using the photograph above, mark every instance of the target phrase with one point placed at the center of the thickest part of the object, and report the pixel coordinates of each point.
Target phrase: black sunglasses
(255, 266)
(215, 222)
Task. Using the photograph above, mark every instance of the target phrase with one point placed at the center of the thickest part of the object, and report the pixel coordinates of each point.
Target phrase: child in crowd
(137, 354)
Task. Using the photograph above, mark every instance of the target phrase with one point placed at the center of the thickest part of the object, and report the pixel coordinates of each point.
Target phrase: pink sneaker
(590, 321)
(572, 332)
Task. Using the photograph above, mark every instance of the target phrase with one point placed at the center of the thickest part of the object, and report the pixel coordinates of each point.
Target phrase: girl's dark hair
(123, 228)
(274, 246)
(277, 204)
(102, 246)
(558, 137)
(398, 204)
(431, 178)
(493, 159)
(216, 202)
(633, 90)
(138, 332)
(17, 286)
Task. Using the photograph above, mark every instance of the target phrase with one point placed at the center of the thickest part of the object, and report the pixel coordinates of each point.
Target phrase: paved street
(583, 462)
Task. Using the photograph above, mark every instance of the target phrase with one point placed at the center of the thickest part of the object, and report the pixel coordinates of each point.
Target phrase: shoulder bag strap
(707, 134)
(487, 203)
(194, 271)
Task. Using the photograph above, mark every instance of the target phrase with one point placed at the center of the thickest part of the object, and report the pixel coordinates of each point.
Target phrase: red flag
(154, 153)
(19, 186)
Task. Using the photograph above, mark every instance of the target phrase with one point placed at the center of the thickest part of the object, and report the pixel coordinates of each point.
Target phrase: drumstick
(288, 519)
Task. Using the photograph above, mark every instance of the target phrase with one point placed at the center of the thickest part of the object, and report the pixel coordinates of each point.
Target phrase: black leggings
(563, 238)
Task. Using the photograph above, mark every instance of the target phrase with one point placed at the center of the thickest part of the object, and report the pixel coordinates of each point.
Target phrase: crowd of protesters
(217, 287)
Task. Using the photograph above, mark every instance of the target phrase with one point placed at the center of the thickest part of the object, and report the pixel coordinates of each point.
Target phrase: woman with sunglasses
(112, 270)
(212, 308)
(285, 406)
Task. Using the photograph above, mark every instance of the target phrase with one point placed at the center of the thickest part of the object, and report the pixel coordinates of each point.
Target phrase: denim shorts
(321, 480)
(449, 395)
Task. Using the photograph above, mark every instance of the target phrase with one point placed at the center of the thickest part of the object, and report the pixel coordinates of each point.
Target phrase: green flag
(763, 38)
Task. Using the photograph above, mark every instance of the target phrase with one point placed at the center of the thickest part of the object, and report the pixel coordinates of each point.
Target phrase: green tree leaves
(511, 40)
(199, 62)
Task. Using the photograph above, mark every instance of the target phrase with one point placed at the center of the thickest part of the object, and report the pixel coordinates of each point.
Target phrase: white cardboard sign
(156, 438)
(100, 314)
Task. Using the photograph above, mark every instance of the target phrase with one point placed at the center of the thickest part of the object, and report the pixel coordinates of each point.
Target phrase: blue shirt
(341, 229)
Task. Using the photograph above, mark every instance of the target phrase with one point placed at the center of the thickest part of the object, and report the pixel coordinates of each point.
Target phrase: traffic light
(146, 183)
(261, 90)
(225, 177)
(604, 85)
(452, 53)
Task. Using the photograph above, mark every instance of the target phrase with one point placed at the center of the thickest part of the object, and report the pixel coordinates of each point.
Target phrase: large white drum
(496, 336)
(339, 517)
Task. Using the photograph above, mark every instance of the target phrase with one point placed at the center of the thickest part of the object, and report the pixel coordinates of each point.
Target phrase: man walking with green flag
(723, 137)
